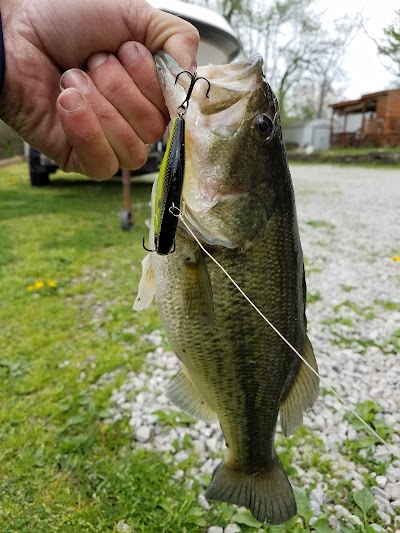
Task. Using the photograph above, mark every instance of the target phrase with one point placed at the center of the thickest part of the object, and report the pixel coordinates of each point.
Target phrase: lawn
(68, 281)
(68, 339)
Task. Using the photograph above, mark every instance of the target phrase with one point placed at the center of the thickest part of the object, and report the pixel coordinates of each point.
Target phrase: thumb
(174, 35)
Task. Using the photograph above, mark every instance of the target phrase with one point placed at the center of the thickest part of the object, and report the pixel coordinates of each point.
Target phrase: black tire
(38, 173)
(126, 220)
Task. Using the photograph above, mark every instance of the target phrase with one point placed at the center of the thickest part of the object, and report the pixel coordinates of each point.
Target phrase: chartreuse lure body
(169, 190)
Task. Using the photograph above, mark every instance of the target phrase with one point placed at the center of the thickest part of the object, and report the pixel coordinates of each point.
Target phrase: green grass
(61, 468)
(356, 151)
(337, 157)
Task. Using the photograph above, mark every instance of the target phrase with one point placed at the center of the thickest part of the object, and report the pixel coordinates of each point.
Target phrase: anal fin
(302, 394)
(185, 395)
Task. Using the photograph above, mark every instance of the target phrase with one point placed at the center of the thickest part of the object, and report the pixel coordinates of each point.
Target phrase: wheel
(38, 173)
(126, 220)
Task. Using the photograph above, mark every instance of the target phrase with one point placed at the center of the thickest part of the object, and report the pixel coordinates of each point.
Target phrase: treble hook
(193, 79)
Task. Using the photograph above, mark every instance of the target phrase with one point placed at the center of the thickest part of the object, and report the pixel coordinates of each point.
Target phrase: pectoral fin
(146, 287)
(197, 291)
(302, 395)
(185, 395)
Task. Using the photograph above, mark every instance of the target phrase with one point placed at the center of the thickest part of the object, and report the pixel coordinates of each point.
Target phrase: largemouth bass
(238, 199)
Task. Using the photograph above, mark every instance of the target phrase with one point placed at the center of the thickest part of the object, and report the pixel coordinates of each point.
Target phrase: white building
(310, 133)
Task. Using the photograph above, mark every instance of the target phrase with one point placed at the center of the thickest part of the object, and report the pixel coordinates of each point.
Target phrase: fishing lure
(169, 189)
(170, 179)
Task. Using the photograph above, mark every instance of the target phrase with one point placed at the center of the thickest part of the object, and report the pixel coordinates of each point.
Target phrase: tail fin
(268, 495)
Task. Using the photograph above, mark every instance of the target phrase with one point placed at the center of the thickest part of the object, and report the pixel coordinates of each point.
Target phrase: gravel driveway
(350, 228)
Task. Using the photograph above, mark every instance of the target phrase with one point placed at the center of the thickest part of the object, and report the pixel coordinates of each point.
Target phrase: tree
(390, 47)
(298, 52)
(283, 31)
(326, 72)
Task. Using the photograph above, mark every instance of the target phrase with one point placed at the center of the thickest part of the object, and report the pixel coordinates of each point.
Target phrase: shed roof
(367, 102)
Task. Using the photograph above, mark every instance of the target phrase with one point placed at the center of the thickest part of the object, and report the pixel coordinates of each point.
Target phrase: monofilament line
(176, 212)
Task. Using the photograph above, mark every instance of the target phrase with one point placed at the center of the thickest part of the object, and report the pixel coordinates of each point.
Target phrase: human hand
(105, 117)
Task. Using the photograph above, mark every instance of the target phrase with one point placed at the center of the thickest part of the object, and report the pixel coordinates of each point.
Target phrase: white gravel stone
(213, 445)
(393, 474)
(215, 529)
(342, 512)
(203, 502)
(384, 517)
(333, 521)
(317, 496)
(122, 527)
(378, 528)
(64, 363)
(393, 490)
(376, 491)
(232, 528)
(381, 481)
(382, 455)
(143, 434)
(179, 474)
(206, 431)
(396, 504)
(181, 456)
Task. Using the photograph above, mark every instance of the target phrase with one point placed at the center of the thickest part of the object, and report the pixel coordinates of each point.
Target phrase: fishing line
(391, 448)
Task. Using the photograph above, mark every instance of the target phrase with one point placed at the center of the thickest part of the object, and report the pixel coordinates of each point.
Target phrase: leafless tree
(298, 51)
(389, 47)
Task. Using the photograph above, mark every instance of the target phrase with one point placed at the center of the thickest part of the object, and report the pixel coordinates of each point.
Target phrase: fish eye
(264, 127)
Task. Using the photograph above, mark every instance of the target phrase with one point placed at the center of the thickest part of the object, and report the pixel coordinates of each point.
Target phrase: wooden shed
(373, 120)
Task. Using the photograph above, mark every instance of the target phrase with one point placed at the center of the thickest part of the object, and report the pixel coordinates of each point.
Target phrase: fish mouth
(229, 84)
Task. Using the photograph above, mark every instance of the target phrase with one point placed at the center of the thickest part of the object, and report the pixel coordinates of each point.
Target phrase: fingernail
(96, 60)
(71, 100)
(74, 78)
(128, 54)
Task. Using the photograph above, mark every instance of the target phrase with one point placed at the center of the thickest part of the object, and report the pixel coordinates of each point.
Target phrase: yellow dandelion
(396, 258)
(30, 288)
(39, 285)
(51, 283)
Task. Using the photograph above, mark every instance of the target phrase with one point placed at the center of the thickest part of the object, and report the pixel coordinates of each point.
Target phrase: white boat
(218, 41)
